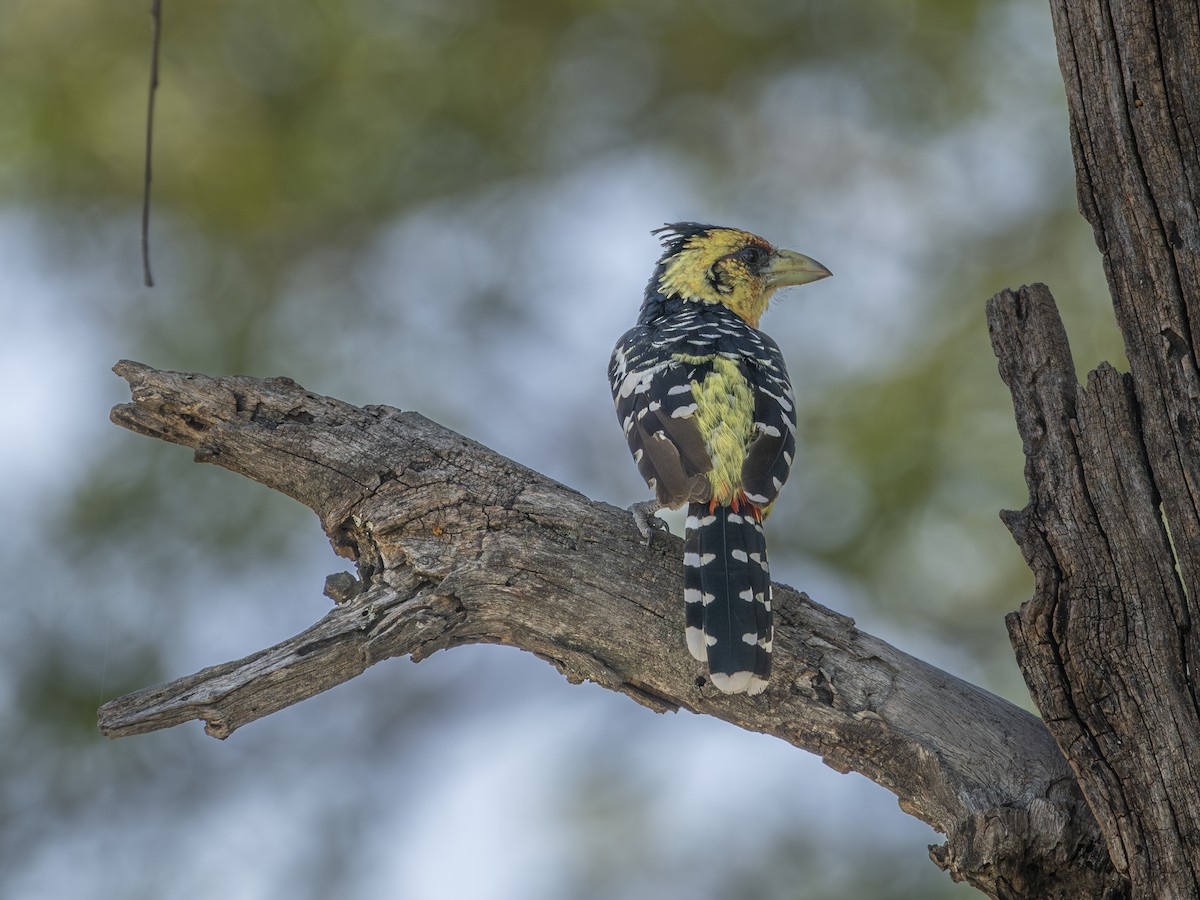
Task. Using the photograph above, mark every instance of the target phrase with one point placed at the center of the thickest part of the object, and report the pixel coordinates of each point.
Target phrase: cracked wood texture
(1111, 530)
(454, 544)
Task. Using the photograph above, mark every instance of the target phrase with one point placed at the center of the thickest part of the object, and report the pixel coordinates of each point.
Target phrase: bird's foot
(645, 519)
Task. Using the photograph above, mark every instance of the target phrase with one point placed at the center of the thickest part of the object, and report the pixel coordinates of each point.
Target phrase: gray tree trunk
(455, 544)
(1112, 531)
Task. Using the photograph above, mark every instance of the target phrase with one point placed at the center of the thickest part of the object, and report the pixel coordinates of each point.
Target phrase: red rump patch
(739, 503)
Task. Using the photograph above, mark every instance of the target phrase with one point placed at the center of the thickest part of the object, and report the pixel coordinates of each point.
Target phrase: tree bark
(455, 544)
(1111, 531)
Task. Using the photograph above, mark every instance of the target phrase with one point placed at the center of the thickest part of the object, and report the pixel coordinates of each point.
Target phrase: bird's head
(711, 264)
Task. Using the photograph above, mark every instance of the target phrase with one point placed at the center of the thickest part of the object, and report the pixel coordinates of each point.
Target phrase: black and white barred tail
(727, 594)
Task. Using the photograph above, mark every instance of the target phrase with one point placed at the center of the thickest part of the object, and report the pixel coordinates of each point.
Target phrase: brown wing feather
(656, 408)
(671, 456)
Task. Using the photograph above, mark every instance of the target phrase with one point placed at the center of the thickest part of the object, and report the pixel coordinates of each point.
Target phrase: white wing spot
(629, 384)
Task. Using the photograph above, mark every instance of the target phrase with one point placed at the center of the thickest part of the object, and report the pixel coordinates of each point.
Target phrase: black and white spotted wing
(653, 394)
(770, 453)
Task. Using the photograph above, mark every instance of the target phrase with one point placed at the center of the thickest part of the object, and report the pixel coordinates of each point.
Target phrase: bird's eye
(753, 255)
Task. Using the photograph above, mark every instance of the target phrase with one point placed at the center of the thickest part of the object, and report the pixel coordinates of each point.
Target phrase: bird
(707, 408)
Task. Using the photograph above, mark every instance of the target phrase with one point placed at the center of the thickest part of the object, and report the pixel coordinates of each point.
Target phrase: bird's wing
(773, 446)
(655, 406)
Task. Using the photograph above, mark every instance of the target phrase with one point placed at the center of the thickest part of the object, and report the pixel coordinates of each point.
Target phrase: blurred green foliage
(444, 206)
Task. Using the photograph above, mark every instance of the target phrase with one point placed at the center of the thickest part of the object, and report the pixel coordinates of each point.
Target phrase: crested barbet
(707, 407)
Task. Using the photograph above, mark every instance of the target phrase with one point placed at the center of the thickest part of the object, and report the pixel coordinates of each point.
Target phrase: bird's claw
(645, 519)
